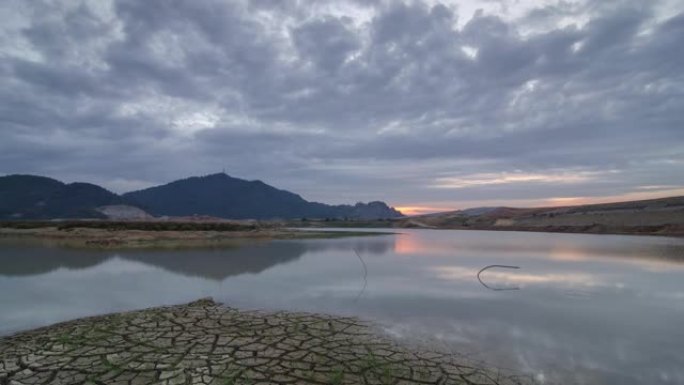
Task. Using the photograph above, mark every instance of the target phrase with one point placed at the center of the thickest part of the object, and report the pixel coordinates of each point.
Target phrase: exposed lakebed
(580, 309)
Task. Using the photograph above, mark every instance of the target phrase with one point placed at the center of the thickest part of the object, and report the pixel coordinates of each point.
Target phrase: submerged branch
(496, 288)
(365, 275)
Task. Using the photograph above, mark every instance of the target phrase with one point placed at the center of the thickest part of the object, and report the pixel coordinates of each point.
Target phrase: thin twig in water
(365, 275)
(496, 288)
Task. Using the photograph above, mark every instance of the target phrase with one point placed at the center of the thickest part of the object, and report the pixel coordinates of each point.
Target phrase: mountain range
(217, 195)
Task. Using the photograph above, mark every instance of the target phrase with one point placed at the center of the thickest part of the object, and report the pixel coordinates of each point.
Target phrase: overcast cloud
(418, 103)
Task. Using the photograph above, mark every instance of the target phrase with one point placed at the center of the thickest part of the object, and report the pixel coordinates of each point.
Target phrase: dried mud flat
(206, 343)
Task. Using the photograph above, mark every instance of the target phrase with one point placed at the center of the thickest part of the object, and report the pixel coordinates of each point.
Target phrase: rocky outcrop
(124, 212)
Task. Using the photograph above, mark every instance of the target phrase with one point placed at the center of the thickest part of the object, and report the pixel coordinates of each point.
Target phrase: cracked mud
(205, 343)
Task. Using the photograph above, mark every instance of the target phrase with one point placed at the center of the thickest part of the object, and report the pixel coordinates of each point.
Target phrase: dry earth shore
(663, 216)
(206, 343)
(75, 236)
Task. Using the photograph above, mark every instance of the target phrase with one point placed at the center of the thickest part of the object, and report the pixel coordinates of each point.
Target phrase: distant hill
(221, 195)
(217, 195)
(37, 197)
(653, 216)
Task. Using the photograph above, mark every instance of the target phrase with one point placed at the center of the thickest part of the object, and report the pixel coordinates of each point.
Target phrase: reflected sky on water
(589, 308)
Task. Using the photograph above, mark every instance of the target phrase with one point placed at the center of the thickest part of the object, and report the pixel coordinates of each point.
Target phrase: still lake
(580, 309)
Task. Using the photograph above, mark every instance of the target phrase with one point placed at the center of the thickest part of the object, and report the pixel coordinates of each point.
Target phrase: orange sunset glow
(420, 210)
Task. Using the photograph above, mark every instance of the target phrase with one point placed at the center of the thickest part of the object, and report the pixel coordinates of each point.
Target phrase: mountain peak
(218, 175)
(221, 195)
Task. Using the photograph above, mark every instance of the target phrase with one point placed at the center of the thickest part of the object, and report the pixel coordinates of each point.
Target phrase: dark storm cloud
(347, 100)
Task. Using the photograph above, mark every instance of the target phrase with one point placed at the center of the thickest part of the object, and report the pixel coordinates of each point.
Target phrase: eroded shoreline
(206, 343)
(120, 238)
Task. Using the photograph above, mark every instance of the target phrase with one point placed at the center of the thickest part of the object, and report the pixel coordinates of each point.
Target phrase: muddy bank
(154, 235)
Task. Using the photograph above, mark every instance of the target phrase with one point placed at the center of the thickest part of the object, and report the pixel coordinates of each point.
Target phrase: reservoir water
(576, 309)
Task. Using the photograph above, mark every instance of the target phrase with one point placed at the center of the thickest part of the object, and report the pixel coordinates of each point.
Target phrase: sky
(427, 105)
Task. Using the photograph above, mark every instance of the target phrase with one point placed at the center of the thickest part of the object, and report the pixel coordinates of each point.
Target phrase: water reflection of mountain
(215, 263)
(218, 264)
(21, 260)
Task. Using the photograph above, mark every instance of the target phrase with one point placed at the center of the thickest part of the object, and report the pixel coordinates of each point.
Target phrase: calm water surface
(581, 309)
